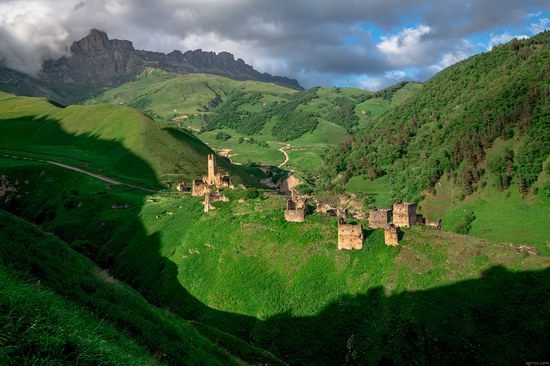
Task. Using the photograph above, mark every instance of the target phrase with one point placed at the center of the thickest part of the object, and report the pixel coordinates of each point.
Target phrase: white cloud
(35, 25)
(395, 74)
(542, 25)
(462, 51)
(408, 47)
(505, 37)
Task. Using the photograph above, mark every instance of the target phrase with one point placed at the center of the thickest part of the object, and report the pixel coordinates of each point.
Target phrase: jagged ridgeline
(448, 126)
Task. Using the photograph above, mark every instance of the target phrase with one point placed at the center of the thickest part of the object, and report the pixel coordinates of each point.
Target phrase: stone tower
(391, 235)
(379, 217)
(404, 214)
(211, 168)
(350, 236)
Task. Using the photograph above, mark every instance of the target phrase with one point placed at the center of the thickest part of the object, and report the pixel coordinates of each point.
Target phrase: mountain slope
(448, 125)
(97, 63)
(58, 307)
(104, 139)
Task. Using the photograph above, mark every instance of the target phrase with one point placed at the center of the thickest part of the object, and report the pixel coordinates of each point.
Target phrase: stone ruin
(421, 220)
(379, 218)
(295, 208)
(213, 179)
(181, 187)
(404, 214)
(350, 236)
(391, 235)
(211, 197)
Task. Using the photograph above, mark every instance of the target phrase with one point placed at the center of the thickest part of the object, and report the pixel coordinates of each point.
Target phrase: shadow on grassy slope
(43, 137)
(501, 318)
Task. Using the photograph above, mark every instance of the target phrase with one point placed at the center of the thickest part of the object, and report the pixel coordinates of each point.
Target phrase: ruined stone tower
(213, 179)
(211, 169)
(379, 217)
(350, 236)
(207, 201)
(295, 208)
(404, 214)
(391, 235)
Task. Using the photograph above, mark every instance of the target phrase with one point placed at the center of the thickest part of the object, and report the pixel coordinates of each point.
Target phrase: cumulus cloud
(318, 41)
(409, 47)
(496, 39)
(540, 26)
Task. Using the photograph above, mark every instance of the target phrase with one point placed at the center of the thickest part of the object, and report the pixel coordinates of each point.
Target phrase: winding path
(70, 167)
(282, 149)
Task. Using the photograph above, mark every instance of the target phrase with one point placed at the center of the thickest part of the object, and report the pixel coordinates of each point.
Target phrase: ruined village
(351, 235)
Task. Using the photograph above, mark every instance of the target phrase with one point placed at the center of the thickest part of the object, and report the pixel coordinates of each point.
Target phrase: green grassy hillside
(284, 287)
(475, 138)
(184, 97)
(100, 139)
(250, 121)
(60, 308)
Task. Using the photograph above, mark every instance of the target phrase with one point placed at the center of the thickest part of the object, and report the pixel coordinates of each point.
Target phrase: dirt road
(70, 167)
(282, 149)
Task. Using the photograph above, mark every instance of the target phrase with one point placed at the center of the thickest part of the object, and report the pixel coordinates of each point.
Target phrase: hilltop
(98, 139)
(97, 63)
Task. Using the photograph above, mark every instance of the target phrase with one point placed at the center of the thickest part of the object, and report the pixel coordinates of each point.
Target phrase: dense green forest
(449, 124)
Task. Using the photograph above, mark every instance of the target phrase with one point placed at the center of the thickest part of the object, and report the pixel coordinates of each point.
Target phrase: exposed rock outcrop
(97, 62)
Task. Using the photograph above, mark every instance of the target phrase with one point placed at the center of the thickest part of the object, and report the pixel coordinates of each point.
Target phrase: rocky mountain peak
(97, 42)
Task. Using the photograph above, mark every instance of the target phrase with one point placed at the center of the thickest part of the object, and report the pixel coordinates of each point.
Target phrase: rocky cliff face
(97, 62)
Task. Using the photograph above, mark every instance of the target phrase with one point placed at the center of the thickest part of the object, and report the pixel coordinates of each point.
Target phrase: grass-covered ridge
(110, 140)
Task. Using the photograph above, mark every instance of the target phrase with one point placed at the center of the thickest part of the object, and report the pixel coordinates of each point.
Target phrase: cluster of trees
(290, 123)
(252, 140)
(343, 113)
(229, 115)
(222, 136)
(448, 126)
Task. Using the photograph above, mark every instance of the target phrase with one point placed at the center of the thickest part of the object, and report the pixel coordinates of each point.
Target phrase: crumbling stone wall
(295, 210)
(198, 189)
(379, 217)
(350, 236)
(391, 235)
(211, 197)
(404, 214)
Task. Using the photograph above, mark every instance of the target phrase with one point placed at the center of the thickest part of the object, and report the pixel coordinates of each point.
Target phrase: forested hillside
(449, 125)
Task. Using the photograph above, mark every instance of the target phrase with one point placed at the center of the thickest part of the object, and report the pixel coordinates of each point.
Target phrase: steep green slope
(447, 126)
(284, 286)
(59, 308)
(480, 125)
(99, 139)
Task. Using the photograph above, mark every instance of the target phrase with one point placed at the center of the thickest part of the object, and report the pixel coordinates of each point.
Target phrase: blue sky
(358, 43)
(475, 43)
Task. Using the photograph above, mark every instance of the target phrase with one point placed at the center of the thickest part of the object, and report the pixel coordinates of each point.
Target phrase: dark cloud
(312, 39)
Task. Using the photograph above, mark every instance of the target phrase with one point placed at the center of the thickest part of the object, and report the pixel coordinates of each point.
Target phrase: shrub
(464, 225)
